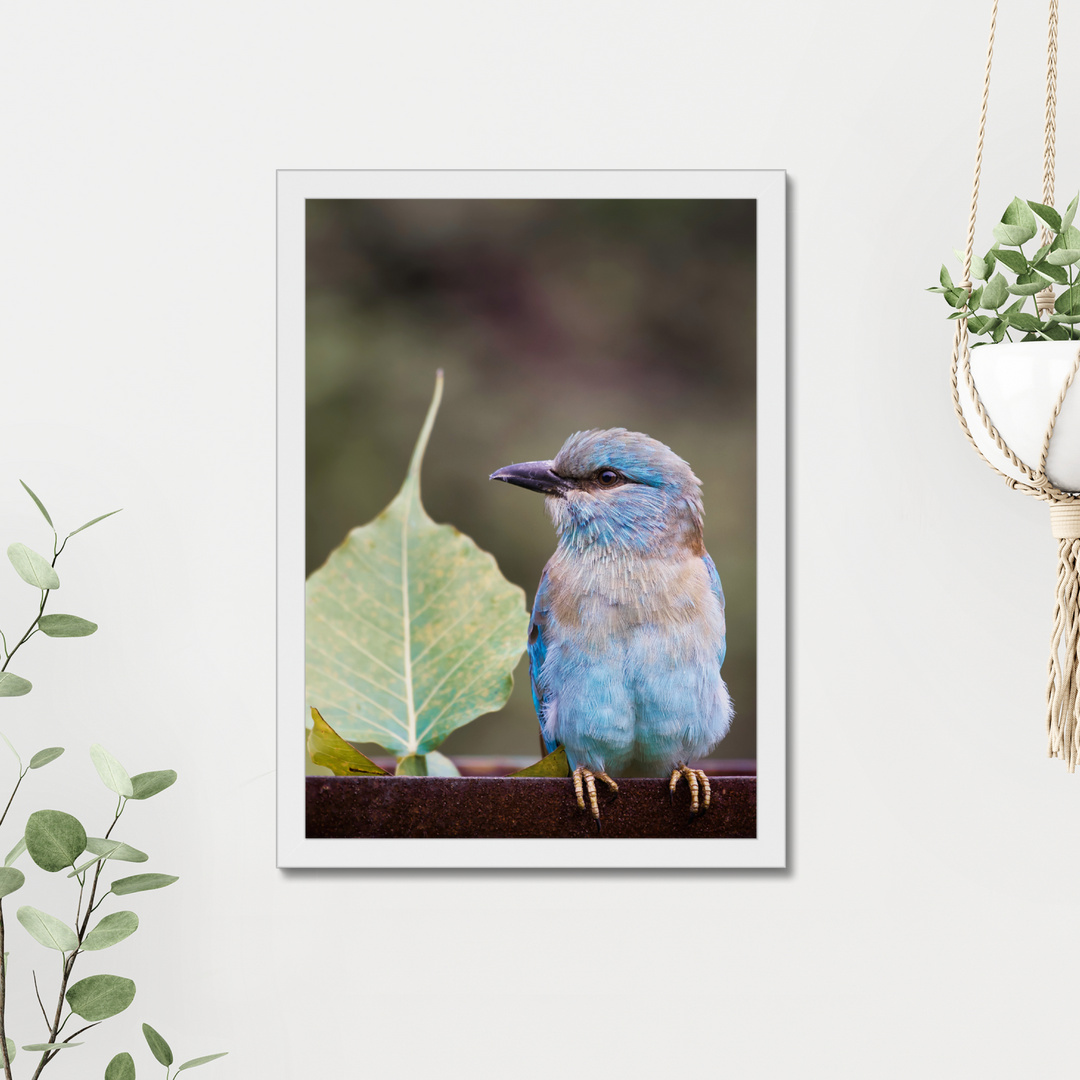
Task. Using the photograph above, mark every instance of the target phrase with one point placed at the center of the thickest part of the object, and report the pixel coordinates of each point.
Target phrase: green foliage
(1052, 264)
(57, 841)
(158, 1046)
(412, 631)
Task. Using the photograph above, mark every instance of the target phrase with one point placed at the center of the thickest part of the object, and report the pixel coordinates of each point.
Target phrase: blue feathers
(627, 634)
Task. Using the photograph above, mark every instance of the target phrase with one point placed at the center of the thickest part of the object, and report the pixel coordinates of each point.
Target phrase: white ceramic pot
(1019, 384)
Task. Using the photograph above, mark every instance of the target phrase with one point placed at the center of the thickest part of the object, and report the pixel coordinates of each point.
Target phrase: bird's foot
(585, 780)
(700, 788)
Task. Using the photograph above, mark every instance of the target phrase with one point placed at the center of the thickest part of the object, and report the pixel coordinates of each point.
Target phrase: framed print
(609, 620)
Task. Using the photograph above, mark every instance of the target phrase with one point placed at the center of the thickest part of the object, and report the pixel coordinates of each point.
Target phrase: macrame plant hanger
(1063, 690)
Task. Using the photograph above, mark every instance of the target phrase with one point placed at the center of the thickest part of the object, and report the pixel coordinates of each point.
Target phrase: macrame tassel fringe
(1062, 691)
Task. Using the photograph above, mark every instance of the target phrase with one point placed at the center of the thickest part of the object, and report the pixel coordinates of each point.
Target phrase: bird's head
(616, 490)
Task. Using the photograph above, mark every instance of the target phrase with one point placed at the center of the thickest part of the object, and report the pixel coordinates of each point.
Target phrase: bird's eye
(608, 477)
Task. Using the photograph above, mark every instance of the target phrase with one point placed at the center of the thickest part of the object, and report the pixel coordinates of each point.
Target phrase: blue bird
(627, 634)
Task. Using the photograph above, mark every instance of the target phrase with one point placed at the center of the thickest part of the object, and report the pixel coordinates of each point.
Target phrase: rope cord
(1063, 674)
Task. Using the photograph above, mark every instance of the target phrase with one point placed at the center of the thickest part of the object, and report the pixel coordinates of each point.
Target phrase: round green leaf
(112, 773)
(200, 1061)
(66, 626)
(112, 929)
(158, 1046)
(412, 631)
(47, 929)
(54, 839)
(122, 1067)
(141, 883)
(146, 784)
(43, 757)
(100, 996)
(11, 685)
(33, 568)
(10, 880)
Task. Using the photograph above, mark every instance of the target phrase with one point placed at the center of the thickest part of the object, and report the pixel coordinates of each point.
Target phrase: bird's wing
(537, 651)
(718, 591)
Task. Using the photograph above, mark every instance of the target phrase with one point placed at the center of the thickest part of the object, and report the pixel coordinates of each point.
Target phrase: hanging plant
(1013, 401)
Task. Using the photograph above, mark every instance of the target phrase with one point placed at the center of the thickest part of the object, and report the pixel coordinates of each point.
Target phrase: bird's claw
(700, 788)
(585, 780)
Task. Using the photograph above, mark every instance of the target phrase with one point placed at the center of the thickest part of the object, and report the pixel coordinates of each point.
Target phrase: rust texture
(388, 807)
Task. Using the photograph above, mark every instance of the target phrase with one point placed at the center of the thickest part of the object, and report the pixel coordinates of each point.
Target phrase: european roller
(627, 635)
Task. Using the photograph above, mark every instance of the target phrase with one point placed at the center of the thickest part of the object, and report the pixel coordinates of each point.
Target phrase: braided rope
(1063, 670)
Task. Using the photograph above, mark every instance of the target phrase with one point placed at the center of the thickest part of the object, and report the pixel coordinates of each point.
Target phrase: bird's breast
(599, 602)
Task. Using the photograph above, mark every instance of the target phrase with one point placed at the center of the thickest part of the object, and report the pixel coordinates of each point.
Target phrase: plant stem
(3, 992)
(22, 773)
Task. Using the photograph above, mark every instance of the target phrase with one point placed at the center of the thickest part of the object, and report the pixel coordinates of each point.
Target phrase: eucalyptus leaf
(15, 852)
(1017, 224)
(980, 268)
(328, 749)
(412, 631)
(1070, 213)
(141, 883)
(1068, 303)
(1023, 320)
(11, 880)
(158, 1046)
(1063, 257)
(40, 505)
(200, 1061)
(996, 292)
(18, 757)
(66, 626)
(54, 839)
(1047, 213)
(1026, 288)
(112, 929)
(93, 522)
(43, 757)
(553, 764)
(33, 568)
(47, 929)
(122, 1067)
(52, 1046)
(1050, 272)
(145, 785)
(112, 773)
(946, 278)
(114, 849)
(100, 996)
(1014, 260)
(12, 685)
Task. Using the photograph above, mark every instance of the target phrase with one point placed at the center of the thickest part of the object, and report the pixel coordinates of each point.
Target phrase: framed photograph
(610, 620)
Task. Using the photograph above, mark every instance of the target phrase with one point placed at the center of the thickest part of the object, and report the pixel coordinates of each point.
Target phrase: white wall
(925, 926)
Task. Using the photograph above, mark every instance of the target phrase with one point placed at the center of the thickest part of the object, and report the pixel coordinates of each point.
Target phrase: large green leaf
(54, 839)
(412, 631)
(101, 996)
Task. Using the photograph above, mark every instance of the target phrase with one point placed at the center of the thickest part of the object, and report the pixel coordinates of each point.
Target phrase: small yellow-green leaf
(40, 504)
(329, 749)
(201, 1061)
(554, 764)
(52, 1046)
(412, 765)
(33, 568)
(412, 631)
(113, 775)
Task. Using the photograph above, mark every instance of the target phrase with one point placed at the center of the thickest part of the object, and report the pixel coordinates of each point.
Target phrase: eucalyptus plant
(1007, 271)
(56, 842)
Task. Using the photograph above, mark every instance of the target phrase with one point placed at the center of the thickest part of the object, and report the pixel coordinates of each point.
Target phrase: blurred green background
(548, 317)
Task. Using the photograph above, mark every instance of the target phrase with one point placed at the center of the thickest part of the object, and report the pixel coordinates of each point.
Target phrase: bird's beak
(534, 475)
